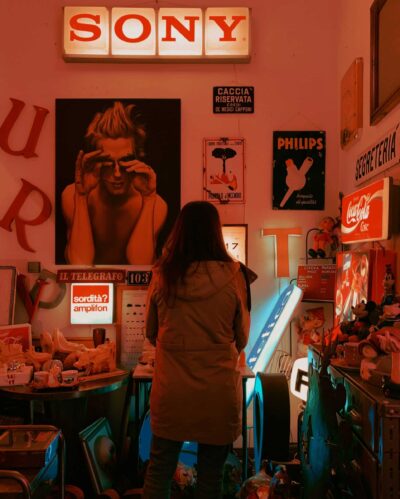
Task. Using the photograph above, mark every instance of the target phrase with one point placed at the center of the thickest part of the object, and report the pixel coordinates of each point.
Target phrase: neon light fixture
(264, 347)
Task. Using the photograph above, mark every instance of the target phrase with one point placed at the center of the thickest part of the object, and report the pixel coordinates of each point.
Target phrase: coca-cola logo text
(358, 211)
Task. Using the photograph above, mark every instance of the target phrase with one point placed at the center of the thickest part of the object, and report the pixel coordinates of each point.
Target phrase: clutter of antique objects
(59, 363)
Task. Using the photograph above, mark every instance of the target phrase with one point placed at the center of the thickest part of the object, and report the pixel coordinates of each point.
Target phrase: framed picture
(224, 167)
(100, 454)
(385, 70)
(8, 277)
(149, 158)
(351, 105)
(235, 237)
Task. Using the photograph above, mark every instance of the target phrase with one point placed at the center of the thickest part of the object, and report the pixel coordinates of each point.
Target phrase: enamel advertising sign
(299, 170)
(365, 213)
(224, 166)
(92, 303)
(379, 157)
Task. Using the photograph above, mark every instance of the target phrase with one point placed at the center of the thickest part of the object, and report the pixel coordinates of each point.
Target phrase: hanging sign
(379, 157)
(233, 100)
(298, 170)
(365, 213)
(221, 33)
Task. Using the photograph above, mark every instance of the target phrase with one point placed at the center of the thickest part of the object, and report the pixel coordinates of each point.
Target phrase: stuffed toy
(390, 316)
(367, 316)
(376, 348)
(323, 239)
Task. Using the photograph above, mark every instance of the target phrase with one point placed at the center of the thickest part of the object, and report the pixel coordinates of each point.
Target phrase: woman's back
(196, 391)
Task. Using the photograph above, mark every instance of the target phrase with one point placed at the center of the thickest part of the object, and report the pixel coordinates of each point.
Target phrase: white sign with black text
(379, 157)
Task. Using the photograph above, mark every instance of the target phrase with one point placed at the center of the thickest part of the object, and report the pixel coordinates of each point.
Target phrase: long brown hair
(195, 237)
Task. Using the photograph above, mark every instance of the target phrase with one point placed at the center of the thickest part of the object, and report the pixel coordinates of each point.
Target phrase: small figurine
(367, 317)
(389, 290)
(323, 239)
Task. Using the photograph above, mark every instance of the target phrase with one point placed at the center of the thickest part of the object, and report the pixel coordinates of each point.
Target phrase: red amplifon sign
(365, 213)
(166, 33)
(92, 303)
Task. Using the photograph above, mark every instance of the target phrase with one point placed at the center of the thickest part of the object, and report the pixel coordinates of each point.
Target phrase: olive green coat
(196, 393)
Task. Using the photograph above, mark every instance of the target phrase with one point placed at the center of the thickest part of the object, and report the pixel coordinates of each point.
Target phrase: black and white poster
(117, 179)
(299, 170)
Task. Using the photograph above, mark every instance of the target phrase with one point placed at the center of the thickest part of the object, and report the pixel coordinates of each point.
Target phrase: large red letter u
(29, 150)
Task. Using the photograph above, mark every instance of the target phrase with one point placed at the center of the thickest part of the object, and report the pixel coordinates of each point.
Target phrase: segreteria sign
(147, 34)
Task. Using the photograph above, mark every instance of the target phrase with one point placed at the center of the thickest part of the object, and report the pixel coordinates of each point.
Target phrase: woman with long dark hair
(197, 318)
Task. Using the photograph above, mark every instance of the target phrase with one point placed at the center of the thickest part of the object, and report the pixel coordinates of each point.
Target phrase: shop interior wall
(293, 69)
(354, 41)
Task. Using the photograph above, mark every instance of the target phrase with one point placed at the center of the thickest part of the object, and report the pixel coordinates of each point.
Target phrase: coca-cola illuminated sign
(221, 33)
(365, 213)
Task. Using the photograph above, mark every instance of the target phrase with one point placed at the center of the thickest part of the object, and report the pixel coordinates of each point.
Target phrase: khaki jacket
(196, 393)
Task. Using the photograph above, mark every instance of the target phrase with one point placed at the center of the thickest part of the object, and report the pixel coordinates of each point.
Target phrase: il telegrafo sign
(166, 33)
(365, 213)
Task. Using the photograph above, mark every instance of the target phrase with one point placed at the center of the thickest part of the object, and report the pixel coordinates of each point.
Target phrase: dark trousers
(164, 456)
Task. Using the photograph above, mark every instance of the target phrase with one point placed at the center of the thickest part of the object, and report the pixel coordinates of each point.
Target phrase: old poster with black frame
(299, 170)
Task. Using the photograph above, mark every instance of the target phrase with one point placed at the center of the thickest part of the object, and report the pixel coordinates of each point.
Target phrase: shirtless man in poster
(112, 211)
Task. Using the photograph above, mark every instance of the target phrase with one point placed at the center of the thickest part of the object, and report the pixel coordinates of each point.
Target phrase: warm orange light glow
(227, 31)
(159, 34)
(133, 30)
(282, 248)
(86, 31)
(180, 32)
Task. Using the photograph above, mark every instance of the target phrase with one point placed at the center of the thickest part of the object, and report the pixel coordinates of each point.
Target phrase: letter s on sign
(91, 28)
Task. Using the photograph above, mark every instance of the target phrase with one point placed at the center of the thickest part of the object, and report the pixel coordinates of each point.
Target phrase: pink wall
(354, 41)
(293, 69)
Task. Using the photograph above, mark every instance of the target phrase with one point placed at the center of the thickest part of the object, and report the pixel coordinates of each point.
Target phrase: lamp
(265, 345)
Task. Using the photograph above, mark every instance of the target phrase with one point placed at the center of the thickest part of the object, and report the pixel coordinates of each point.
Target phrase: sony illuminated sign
(221, 33)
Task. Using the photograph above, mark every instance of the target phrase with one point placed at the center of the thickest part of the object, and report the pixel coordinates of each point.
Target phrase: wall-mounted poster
(224, 170)
(299, 170)
(117, 179)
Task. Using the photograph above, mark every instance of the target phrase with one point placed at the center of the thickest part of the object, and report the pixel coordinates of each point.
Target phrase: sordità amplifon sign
(97, 33)
(92, 303)
(379, 157)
